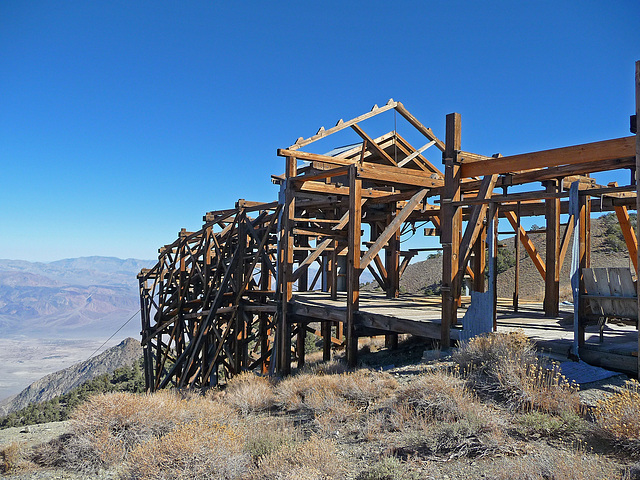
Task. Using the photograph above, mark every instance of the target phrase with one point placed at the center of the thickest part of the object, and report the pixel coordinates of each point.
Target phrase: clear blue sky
(123, 121)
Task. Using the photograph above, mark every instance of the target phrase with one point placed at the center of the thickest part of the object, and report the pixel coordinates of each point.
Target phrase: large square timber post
(451, 222)
(353, 264)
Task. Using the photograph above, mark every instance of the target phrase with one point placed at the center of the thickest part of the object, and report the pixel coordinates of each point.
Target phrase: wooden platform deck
(419, 315)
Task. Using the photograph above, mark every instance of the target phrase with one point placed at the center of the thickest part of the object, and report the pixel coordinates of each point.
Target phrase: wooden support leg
(516, 281)
(479, 261)
(286, 270)
(451, 222)
(392, 260)
(353, 265)
(552, 280)
(638, 183)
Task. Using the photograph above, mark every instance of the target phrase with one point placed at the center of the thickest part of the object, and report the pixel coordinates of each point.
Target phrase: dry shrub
(195, 450)
(434, 396)
(248, 393)
(315, 459)
(332, 367)
(505, 367)
(619, 415)
(485, 352)
(14, 457)
(553, 464)
(107, 427)
(311, 391)
(387, 468)
(265, 435)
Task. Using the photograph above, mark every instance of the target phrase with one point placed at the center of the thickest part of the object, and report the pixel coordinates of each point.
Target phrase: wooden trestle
(223, 299)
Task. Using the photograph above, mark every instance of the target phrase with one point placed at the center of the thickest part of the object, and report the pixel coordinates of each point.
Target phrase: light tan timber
(629, 234)
(527, 244)
(342, 125)
(476, 222)
(391, 228)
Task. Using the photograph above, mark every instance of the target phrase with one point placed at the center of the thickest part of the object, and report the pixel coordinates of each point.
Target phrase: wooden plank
(564, 245)
(629, 234)
(577, 154)
(353, 266)
(334, 172)
(590, 285)
(415, 154)
(373, 145)
(637, 170)
(476, 222)
(451, 225)
(392, 227)
(369, 168)
(527, 243)
(342, 125)
(604, 289)
(399, 176)
(552, 237)
(427, 132)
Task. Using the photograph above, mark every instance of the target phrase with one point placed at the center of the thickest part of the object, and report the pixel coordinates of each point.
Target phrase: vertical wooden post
(392, 265)
(286, 260)
(303, 286)
(480, 261)
(451, 224)
(353, 265)
(552, 280)
(265, 285)
(146, 322)
(583, 256)
(238, 280)
(638, 183)
(392, 258)
(516, 281)
(495, 219)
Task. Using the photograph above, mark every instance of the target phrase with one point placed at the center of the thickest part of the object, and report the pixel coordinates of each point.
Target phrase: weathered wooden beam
(637, 155)
(476, 222)
(629, 234)
(373, 145)
(527, 243)
(392, 227)
(451, 225)
(322, 133)
(552, 278)
(427, 132)
(353, 266)
(578, 154)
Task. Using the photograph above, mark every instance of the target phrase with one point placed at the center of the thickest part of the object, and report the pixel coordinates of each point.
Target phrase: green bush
(124, 379)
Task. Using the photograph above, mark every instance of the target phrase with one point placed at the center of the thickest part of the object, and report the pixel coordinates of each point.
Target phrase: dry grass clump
(314, 459)
(317, 392)
(505, 367)
(553, 464)
(14, 457)
(107, 427)
(619, 415)
(388, 468)
(436, 396)
(248, 393)
(195, 450)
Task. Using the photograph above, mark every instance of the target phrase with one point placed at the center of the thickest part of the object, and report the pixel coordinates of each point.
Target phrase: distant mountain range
(76, 297)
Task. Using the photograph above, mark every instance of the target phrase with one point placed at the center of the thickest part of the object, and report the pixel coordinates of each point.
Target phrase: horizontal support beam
(577, 154)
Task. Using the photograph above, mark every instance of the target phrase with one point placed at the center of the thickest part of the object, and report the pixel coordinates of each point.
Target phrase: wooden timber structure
(242, 292)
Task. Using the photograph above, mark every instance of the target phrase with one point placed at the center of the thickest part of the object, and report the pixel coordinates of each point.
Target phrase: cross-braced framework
(208, 305)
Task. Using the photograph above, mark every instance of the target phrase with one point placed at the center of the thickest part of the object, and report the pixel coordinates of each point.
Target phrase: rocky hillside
(68, 298)
(61, 382)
